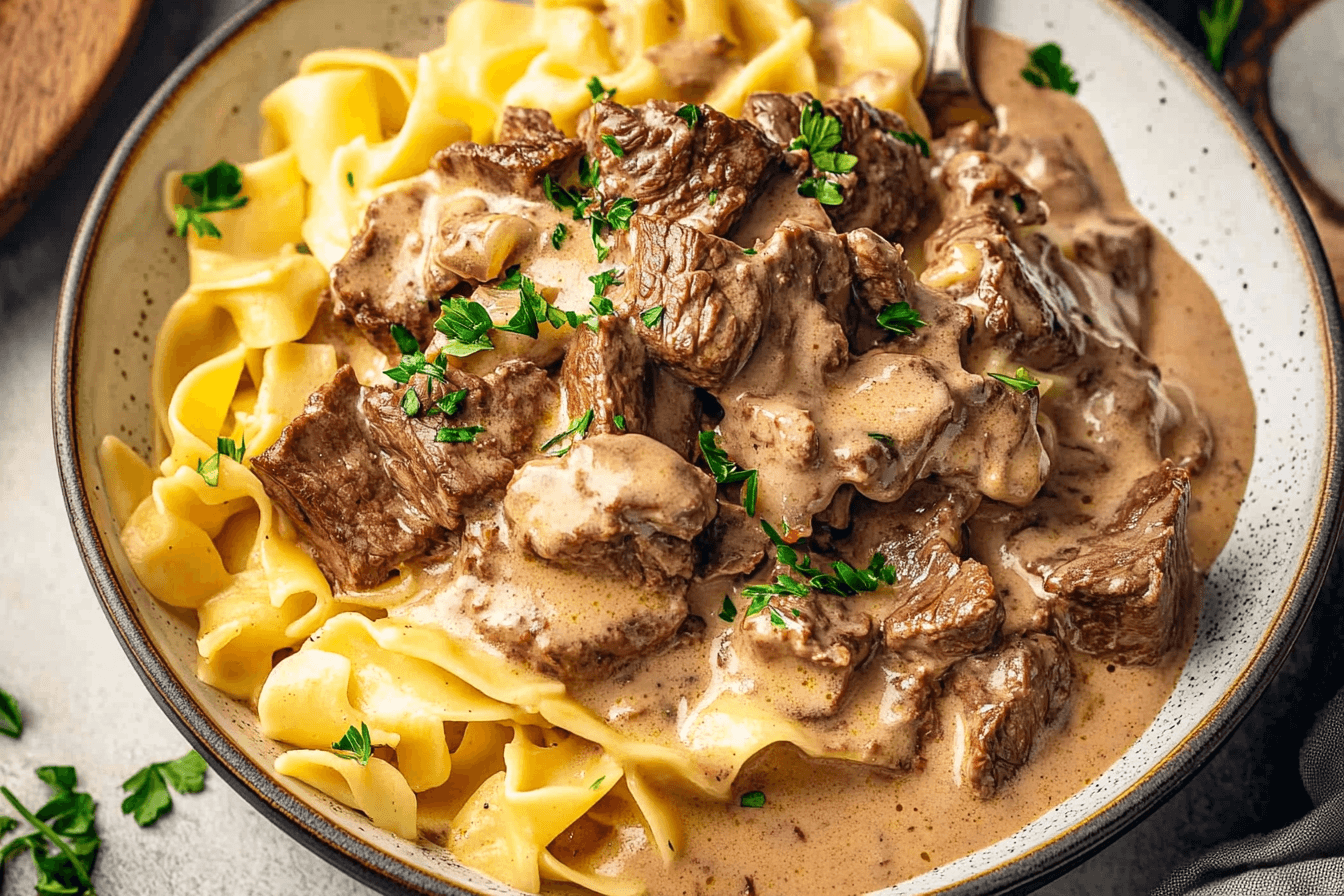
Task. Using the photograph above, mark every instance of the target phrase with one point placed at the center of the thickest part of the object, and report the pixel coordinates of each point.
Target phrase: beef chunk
(887, 188)
(513, 168)
(1119, 249)
(444, 478)
(806, 649)
(879, 271)
(702, 176)
(1126, 594)
(622, 504)
(604, 371)
(1002, 703)
(575, 624)
(692, 67)
(532, 126)
(386, 277)
(326, 472)
(713, 299)
(673, 412)
(733, 545)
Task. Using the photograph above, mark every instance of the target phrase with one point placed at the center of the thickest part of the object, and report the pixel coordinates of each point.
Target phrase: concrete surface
(84, 705)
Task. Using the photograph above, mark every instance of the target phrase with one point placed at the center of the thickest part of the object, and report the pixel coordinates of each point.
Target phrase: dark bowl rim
(388, 874)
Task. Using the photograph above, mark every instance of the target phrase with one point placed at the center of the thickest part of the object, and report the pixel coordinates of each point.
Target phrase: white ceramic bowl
(1193, 165)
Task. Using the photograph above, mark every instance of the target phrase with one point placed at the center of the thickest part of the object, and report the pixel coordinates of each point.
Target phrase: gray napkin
(1306, 857)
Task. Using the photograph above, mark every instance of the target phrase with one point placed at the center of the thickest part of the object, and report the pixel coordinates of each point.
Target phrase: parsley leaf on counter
(652, 317)
(215, 189)
(597, 91)
(356, 744)
(616, 148)
(900, 318)
(690, 114)
(1218, 24)
(65, 823)
(1046, 68)
(753, 799)
(558, 236)
(458, 435)
(1022, 380)
(913, 139)
(578, 428)
(11, 720)
(727, 472)
(729, 611)
(150, 798)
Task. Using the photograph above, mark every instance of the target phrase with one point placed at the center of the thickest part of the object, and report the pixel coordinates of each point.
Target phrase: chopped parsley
(1218, 24)
(467, 325)
(612, 144)
(1018, 202)
(209, 468)
(350, 179)
(729, 611)
(617, 217)
(150, 799)
(597, 91)
(690, 114)
(727, 472)
(450, 404)
(1046, 68)
(713, 196)
(11, 720)
(753, 799)
(577, 429)
(913, 139)
(410, 402)
(900, 318)
(882, 437)
(748, 251)
(843, 580)
(619, 420)
(1021, 381)
(558, 235)
(302, 249)
(652, 317)
(413, 363)
(356, 744)
(589, 173)
(458, 435)
(598, 783)
(65, 823)
(820, 134)
(215, 189)
(604, 281)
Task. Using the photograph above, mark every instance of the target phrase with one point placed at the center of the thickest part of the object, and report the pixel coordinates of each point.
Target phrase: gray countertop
(84, 706)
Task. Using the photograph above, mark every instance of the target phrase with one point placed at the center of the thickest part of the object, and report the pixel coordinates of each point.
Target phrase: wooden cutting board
(58, 61)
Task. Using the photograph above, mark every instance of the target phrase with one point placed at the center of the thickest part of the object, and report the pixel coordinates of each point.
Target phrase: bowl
(1194, 166)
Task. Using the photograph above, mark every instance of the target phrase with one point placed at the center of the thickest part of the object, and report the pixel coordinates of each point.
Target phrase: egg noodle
(491, 758)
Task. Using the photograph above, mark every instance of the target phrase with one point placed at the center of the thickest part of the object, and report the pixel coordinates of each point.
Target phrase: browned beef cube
(1126, 594)
(517, 168)
(1119, 249)
(881, 276)
(604, 371)
(385, 278)
(692, 67)
(326, 472)
(673, 413)
(887, 188)
(703, 176)
(623, 505)
(733, 545)
(1002, 703)
(713, 299)
(445, 478)
(520, 125)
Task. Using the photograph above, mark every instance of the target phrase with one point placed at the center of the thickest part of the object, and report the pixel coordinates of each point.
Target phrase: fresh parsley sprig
(215, 189)
(1046, 68)
(467, 325)
(11, 720)
(558, 236)
(652, 317)
(617, 217)
(690, 114)
(843, 580)
(1218, 24)
(913, 139)
(209, 468)
(356, 744)
(727, 472)
(65, 823)
(577, 429)
(900, 318)
(614, 145)
(753, 799)
(820, 134)
(458, 435)
(729, 610)
(1021, 381)
(597, 91)
(150, 799)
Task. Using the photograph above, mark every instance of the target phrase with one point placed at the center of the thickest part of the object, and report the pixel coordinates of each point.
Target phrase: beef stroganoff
(621, 448)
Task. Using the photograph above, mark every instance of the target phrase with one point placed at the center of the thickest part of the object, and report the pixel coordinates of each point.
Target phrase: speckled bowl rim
(380, 870)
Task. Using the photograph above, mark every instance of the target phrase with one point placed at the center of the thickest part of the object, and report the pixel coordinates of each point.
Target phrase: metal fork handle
(951, 94)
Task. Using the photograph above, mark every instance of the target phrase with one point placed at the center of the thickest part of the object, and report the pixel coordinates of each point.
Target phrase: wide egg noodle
(376, 789)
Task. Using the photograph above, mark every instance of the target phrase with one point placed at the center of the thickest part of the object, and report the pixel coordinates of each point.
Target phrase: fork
(951, 96)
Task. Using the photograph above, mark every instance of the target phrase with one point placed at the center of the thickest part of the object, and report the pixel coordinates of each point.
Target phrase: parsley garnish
(713, 196)
(753, 799)
(458, 435)
(820, 134)
(729, 611)
(466, 324)
(357, 744)
(882, 437)
(451, 403)
(558, 236)
(616, 148)
(652, 317)
(66, 823)
(900, 318)
(619, 420)
(1046, 68)
(597, 91)
(589, 172)
(11, 720)
(410, 402)
(209, 468)
(727, 472)
(598, 783)
(577, 430)
(1218, 24)
(1022, 380)
(748, 251)
(302, 249)
(604, 281)
(350, 179)
(843, 580)
(617, 217)
(913, 139)
(690, 114)
(215, 189)
(150, 798)
(1018, 202)
(413, 362)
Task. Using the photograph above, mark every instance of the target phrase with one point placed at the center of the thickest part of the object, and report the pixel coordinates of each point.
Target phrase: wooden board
(58, 61)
